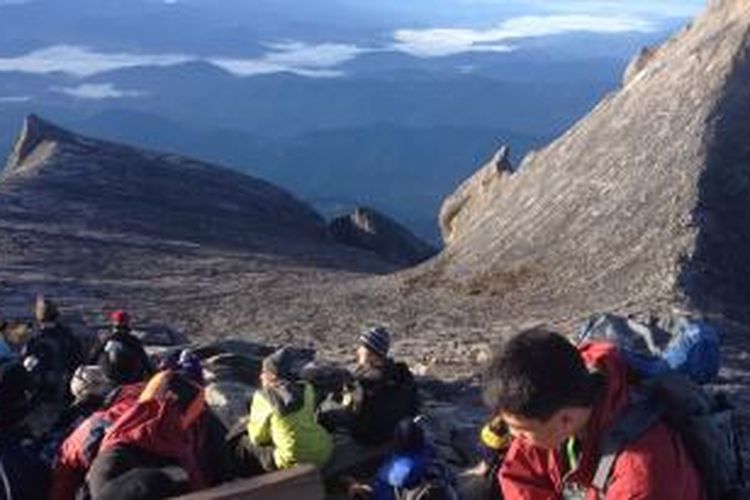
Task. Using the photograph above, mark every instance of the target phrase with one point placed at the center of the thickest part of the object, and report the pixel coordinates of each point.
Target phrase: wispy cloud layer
(447, 41)
(294, 57)
(13, 99)
(98, 91)
(325, 59)
(82, 62)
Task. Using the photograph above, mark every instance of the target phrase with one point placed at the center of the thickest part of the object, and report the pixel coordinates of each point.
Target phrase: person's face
(267, 379)
(366, 357)
(548, 434)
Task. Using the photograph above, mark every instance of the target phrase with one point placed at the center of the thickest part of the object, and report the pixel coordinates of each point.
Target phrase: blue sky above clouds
(462, 26)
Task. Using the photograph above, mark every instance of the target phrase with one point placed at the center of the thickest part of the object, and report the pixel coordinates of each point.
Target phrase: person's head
(119, 320)
(89, 383)
(45, 311)
(408, 436)
(277, 365)
(121, 364)
(15, 390)
(373, 346)
(538, 383)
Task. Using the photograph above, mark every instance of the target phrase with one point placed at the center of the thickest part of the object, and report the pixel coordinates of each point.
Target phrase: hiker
(79, 449)
(120, 353)
(168, 443)
(558, 402)
(22, 474)
(53, 353)
(385, 391)
(282, 430)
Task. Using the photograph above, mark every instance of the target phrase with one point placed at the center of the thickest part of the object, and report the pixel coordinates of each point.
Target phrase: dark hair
(535, 374)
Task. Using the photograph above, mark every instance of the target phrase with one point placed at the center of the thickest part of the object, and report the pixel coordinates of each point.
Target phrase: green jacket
(284, 416)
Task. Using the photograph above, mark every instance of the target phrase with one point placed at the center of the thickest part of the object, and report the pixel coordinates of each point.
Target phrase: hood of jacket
(285, 396)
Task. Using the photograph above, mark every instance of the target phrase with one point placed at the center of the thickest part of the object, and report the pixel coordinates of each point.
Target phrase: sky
(445, 28)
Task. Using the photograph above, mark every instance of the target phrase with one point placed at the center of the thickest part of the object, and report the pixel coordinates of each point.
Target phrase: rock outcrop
(369, 229)
(643, 203)
(473, 197)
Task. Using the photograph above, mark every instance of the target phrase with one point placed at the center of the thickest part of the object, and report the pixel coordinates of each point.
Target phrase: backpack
(704, 421)
(688, 346)
(437, 484)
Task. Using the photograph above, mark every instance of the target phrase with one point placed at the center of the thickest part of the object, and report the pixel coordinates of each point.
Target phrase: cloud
(448, 41)
(81, 62)
(295, 57)
(98, 91)
(15, 98)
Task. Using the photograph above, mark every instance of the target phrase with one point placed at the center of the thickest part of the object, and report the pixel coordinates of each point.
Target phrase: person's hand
(358, 491)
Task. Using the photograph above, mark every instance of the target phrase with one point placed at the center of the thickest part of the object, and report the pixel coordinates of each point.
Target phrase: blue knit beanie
(377, 340)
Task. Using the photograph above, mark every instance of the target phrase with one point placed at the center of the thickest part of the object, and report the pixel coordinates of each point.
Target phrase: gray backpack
(704, 421)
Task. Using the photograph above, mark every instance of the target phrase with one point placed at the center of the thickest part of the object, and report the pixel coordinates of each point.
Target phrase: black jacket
(23, 476)
(389, 394)
(136, 364)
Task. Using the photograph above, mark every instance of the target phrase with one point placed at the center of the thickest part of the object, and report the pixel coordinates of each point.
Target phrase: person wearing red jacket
(79, 449)
(558, 402)
(167, 444)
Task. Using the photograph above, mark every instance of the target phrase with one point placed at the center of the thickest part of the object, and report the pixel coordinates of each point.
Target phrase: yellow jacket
(284, 416)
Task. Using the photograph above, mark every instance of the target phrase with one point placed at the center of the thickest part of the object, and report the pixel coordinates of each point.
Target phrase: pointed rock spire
(34, 131)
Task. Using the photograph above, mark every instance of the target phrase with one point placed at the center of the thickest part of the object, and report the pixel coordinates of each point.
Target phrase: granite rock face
(643, 202)
(369, 229)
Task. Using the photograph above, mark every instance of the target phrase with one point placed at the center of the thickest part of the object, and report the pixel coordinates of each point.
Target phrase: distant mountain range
(392, 130)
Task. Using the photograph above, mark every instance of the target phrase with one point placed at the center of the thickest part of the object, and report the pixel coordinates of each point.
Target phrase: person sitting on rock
(168, 443)
(120, 353)
(53, 353)
(558, 402)
(79, 449)
(282, 430)
(384, 391)
(22, 474)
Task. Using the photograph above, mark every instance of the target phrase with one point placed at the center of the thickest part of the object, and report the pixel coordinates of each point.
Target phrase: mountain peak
(641, 204)
(34, 132)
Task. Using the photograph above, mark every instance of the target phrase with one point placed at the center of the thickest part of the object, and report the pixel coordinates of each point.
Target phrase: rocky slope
(642, 204)
(638, 208)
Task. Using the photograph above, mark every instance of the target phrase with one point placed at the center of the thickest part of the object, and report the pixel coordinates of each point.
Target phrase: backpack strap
(639, 416)
(6, 481)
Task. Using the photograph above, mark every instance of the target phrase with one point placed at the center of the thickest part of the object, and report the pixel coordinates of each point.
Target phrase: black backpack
(705, 422)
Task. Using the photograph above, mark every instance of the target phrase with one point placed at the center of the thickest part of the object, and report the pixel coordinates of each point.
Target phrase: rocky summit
(641, 205)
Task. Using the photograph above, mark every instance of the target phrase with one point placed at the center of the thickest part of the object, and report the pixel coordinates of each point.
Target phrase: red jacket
(162, 424)
(654, 467)
(81, 447)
